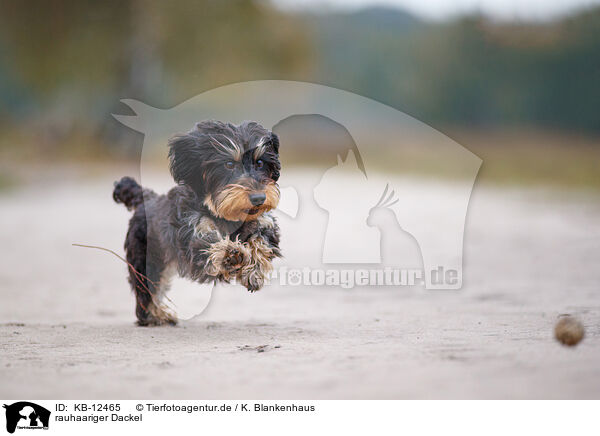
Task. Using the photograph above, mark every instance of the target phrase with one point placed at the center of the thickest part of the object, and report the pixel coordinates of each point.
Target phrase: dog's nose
(257, 199)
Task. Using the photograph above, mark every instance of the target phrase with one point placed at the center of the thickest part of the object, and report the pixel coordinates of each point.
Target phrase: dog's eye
(260, 163)
(230, 165)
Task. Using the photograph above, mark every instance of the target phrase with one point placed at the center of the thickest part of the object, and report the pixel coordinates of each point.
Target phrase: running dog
(215, 225)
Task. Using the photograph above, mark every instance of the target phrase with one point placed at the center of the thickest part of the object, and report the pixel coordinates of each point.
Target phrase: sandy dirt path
(67, 315)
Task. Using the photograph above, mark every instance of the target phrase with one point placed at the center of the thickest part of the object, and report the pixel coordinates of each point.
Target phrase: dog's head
(233, 169)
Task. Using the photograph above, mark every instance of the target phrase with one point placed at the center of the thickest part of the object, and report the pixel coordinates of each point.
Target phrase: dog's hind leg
(146, 280)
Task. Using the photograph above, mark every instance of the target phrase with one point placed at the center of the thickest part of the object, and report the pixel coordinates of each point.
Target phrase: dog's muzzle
(237, 202)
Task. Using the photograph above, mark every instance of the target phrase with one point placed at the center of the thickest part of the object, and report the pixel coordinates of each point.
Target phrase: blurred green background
(522, 95)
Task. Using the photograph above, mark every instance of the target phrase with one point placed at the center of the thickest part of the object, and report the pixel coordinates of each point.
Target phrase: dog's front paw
(235, 258)
(226, 258)
(254, 275)
(253, 281)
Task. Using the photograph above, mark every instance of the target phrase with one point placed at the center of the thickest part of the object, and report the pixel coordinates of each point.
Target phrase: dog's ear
(274, 139)
(275, 142)
(185, 159)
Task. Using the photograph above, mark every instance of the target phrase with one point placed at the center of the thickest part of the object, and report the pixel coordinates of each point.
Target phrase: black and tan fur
(216, 225)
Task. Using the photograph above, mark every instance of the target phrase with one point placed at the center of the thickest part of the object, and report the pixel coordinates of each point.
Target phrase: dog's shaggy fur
(215, 225)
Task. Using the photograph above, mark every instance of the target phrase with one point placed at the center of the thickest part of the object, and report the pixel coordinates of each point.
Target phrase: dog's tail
(129, 192)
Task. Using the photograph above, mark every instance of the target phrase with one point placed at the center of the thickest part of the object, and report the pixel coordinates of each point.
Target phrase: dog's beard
(232, 202)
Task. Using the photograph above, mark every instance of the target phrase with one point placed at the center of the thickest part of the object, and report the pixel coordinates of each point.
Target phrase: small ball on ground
(568, 330)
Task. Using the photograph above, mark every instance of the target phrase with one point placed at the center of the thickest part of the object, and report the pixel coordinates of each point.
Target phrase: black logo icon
(24, 414)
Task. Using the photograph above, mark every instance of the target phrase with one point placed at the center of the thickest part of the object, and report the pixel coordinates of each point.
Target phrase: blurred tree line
(469, 72)
(64, 65)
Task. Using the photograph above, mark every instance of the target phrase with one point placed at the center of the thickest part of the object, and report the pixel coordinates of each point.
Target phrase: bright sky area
(441, 9)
